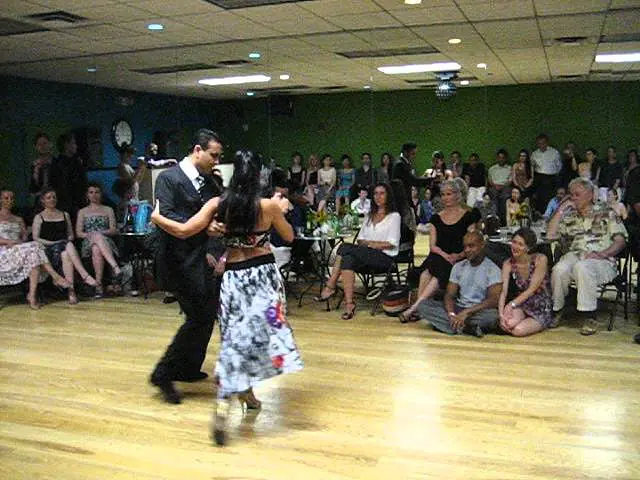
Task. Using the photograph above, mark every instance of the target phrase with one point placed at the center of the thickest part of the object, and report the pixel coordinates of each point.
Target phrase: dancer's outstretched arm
(194, 225)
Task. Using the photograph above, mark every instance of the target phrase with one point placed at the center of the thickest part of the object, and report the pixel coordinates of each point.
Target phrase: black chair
(621, 285)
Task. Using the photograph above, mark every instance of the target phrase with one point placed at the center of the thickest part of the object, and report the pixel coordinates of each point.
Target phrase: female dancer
(20, 259)
(256, 340)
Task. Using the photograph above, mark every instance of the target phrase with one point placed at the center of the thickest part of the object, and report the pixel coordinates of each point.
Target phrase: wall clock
(121, 133)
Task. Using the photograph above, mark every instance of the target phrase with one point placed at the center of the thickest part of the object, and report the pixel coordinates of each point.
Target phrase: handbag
(395, 300)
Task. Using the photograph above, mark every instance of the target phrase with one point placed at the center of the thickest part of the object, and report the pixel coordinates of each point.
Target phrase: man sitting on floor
(471, 301)
(595, 235)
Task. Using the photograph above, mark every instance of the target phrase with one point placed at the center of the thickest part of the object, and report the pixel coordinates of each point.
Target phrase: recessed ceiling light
(250, 94)
(255, 55)
(285, 77)
(454, 41)
(412, 2)
(234, 80)
(618, 57)
(428, 67)
(92, 69)
(465, 82)
(155, 27)
(482, 65)
(367, 87)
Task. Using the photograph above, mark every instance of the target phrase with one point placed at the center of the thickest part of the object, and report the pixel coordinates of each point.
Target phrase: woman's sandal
(89, 280)
(99, 291)
(33, 302)
(61, 283)
(349, 313)
(326, 298)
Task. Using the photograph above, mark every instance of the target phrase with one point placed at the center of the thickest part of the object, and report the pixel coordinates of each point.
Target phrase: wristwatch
(513, 305)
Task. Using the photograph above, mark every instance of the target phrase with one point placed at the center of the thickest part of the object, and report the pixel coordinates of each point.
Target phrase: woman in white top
(378, 242)
(327, 178)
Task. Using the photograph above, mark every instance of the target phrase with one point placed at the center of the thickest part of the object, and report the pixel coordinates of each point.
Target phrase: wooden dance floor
(376, 400)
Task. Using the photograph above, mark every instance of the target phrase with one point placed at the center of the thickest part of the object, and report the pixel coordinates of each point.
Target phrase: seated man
(362, 204)
(554, 203)
(593, 236)
(473, 291)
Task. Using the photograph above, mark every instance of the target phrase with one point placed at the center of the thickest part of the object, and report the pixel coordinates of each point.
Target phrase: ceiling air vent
(233, 63)
(57, 17)
(233, 4)
(389, 52)
(620, 38)
(190, 67)
(571, 40)
(15, 27)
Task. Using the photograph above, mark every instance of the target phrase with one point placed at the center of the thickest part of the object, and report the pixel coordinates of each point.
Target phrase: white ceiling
(515, 38)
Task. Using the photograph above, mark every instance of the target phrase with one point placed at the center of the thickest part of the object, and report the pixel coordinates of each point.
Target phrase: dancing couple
(256, 340)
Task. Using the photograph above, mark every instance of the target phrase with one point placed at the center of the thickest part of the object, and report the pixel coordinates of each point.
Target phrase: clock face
(122, 133)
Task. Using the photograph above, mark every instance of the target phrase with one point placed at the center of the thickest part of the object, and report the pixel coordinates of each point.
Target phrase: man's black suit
(182, 268)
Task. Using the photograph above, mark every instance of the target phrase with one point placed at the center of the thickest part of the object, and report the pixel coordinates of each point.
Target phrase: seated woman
(513, 207)
(53, 229)
(525, 277)
(445, 243)
(20, 259)
(613, 201)
(95, 225)
(378, 242)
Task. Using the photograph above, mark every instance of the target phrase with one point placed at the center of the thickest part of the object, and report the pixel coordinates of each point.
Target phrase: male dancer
(182, 265)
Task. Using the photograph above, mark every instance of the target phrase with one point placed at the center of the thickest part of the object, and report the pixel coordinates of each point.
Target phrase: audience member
(590, 164)
(366, 175)
(569, 169)
(96, 225)
(445, 243)
(522, 174)
(52, 228)
(474, 173)
(546, 165)
(610, 174)
(425, 212)
(346, 180)
(454, 169)
(437, 172)
(414, 201)
(632, 162)
(128, 178)
(499, 181)
(594, 236)
(41, 166)
(68, 176)
(19, 259)
(554, 203)
(513, 207)
(327, 178)
(526, 287)
(297, 174)
(403, 169)
(311, 188)
(377, 243)
(362, 204)
(486, 207)
(407, 215)
(384, 170)
(471, 299)
(614, 203)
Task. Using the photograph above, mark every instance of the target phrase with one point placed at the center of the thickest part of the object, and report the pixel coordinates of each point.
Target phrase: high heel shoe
(99, 291)
(220, 422)
(61, 282)
(325, 298)
(248, 401)
(349, 313)
(89, 280)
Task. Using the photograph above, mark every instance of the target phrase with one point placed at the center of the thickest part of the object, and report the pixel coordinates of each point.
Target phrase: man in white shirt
(546, 165)
(362, 204)
(499, 181)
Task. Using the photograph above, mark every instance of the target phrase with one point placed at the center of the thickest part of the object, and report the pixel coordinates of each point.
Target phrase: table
(498, 247)
(139, 256)
(326, 243)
